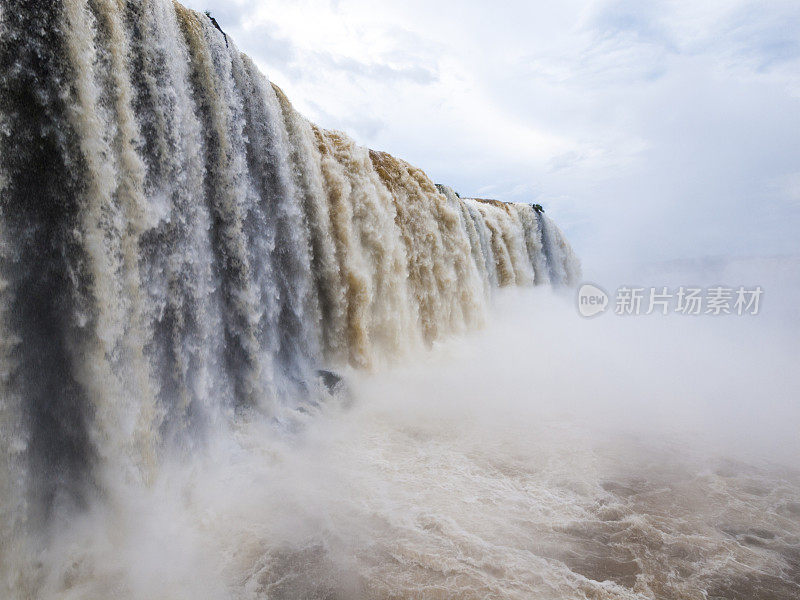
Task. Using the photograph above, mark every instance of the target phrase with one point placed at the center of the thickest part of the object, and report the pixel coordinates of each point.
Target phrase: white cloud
(654, 130)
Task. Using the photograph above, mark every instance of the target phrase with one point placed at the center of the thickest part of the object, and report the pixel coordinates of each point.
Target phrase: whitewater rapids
(484, 469)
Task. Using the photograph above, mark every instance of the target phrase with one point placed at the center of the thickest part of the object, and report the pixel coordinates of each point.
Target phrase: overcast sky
(650, 131)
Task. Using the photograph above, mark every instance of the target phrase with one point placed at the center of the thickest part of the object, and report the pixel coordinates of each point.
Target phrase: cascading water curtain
(179, 245)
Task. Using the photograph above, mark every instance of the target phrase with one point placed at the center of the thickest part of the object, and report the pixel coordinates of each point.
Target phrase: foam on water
(462, 475)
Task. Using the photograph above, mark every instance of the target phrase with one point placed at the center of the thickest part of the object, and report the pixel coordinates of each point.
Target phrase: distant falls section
(178, 246)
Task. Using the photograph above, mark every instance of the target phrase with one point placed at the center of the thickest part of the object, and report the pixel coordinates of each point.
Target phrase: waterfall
(178, 246)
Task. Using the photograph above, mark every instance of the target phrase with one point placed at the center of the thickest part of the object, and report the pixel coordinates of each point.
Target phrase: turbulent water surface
(186, 263)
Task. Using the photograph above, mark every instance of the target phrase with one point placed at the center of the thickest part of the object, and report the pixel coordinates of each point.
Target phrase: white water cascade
(179, 249)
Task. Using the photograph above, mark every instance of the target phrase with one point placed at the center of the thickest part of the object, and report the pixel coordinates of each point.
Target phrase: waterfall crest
(178, 245)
